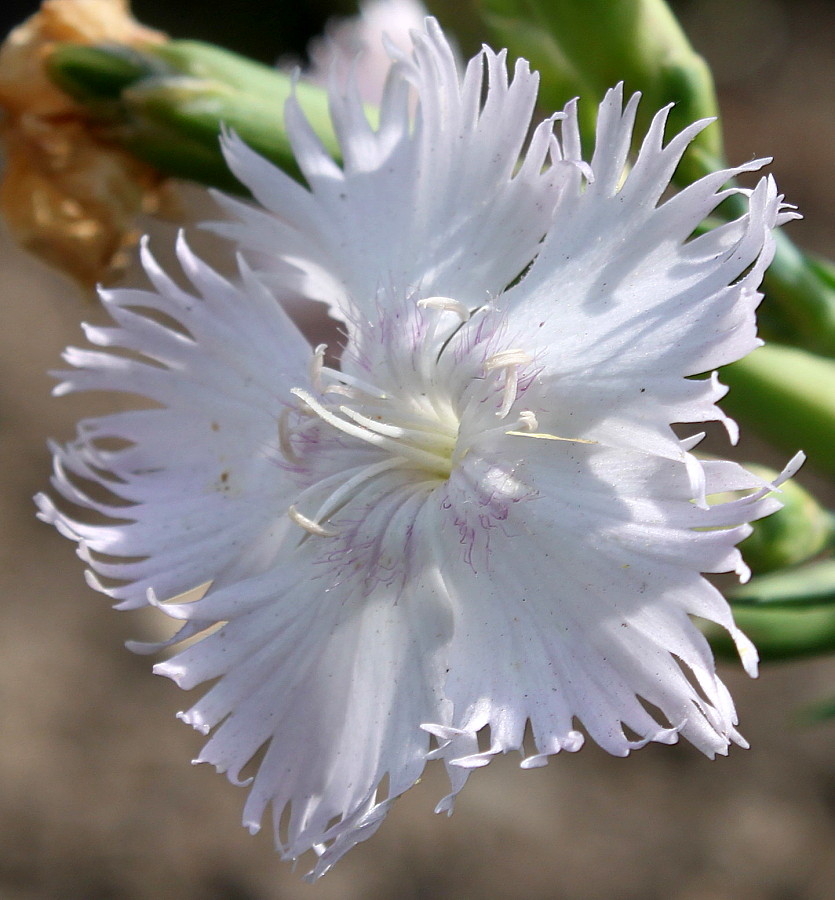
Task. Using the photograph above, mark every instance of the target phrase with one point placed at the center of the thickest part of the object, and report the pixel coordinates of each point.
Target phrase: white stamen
(420, 427)
(284, 437)
(446, 304)
(511, 384)
(343, 390)
(437, 438)
(362, 387)
(317, 365)
(375, 425)
(309, 524)
(339, 497)
(433, 461)
(326, 484)
(343, 493)
(509, 360)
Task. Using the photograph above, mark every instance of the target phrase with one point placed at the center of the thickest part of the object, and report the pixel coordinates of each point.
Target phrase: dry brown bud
(69, 194)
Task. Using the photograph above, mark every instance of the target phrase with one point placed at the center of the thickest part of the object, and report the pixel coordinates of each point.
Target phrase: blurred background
(97, 799)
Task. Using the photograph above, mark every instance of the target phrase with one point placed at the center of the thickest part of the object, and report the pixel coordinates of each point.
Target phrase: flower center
(418, 434)
(425, 442)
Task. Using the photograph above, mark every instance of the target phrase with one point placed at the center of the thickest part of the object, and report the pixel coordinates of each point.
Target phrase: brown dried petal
(69, 195)
(72, 199)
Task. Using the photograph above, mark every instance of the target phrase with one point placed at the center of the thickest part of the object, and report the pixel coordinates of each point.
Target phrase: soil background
(98, 800)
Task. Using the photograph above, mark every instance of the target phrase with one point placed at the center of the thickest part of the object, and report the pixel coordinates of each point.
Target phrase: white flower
(482, 518)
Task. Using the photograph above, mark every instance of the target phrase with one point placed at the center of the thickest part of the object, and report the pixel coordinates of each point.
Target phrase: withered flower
(69, 193)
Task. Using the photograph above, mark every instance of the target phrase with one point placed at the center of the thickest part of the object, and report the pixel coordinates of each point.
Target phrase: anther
(528, 421)
(316, 366)
(309, 524)
(446, 304)
(507, 358)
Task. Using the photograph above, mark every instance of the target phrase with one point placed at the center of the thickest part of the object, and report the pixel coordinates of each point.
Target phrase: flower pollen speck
(482, 518)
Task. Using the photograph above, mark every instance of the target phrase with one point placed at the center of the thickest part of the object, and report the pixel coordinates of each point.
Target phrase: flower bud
(788, 614)
(169, 104)
(792, 535)
(788, 396)
(209, 89)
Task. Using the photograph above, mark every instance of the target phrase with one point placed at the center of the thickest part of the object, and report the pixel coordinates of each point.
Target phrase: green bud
(168, 103)
(213, 63)
(792, 535)
(792, 589)
(801, 299)
(95, 75)
(788, 396)
(788, 614)
(194, 110)
(780, 633)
